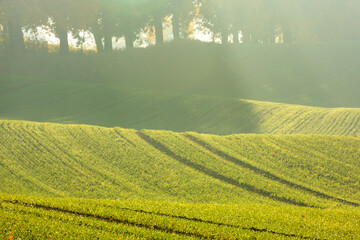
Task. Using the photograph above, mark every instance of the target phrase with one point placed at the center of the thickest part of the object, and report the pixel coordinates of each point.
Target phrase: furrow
(341, 123)
(23, 174)
(155, 227)
(82, 163)
(263, 172)
(334, 122)
(357, 124)
(162, 148)
(302, 123)
(120, 221)
(351, 125)
(292, 145)
(320, 120)
(292, 121)
(129, 183)
(36, 142)
(24, 212)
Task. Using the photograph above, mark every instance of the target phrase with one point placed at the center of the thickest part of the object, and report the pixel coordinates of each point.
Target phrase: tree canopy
(256, 21)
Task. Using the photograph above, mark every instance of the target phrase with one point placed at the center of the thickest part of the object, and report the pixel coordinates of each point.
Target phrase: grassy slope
(51, 218)
(95, 162)
(202, 96)
(108, 105)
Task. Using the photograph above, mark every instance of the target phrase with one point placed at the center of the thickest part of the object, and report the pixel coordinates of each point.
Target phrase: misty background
(101, 25)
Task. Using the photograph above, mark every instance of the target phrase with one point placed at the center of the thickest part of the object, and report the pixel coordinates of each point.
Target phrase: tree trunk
(236, 39)
(159, 31)
(98, 42)
(108, 43)
(107, 35)
(108, 47)
(64, 40)
(176, 26)
(129, 39)
(16, 37)
(224, 37)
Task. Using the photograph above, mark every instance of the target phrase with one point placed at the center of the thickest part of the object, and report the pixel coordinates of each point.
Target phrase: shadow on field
(204, 170)
(263, 172)
(159, 228)
(217, 223)
(185, 86)
(182, 86)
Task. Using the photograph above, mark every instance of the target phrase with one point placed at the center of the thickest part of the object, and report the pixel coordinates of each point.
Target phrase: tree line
(231, 21)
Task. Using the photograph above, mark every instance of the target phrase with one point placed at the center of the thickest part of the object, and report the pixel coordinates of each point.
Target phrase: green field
(74, 218)
(129, 146)
(155, 184)
(95, 162)
(107, 105)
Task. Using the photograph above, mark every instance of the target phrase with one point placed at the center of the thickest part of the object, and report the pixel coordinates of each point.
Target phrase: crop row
(95, 162)
(164, 220)
(110, 105)
(317, 162)
(235, 171)
(276, 118)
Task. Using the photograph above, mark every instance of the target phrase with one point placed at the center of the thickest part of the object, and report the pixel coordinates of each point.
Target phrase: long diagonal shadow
(263, 172)
(152, 227)
(157, 145)
(217, 223)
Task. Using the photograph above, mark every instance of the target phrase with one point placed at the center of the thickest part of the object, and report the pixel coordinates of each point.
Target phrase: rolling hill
(110, 106)
(76, 162)
(94, 162)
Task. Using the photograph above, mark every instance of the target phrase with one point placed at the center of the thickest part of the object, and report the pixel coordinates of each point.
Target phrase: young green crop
(94, 162)
(208, 163)
(321, 162)
(110, 105)
(107, 219)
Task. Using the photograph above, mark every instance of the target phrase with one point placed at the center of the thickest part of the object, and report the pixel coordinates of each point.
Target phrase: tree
(14, 13)
(3, 25)
(224, 16)
(213, 13)
(96, 29)
(182, 14)
(131, 18)
(58, 12)
(157, 10)
(69, 15)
